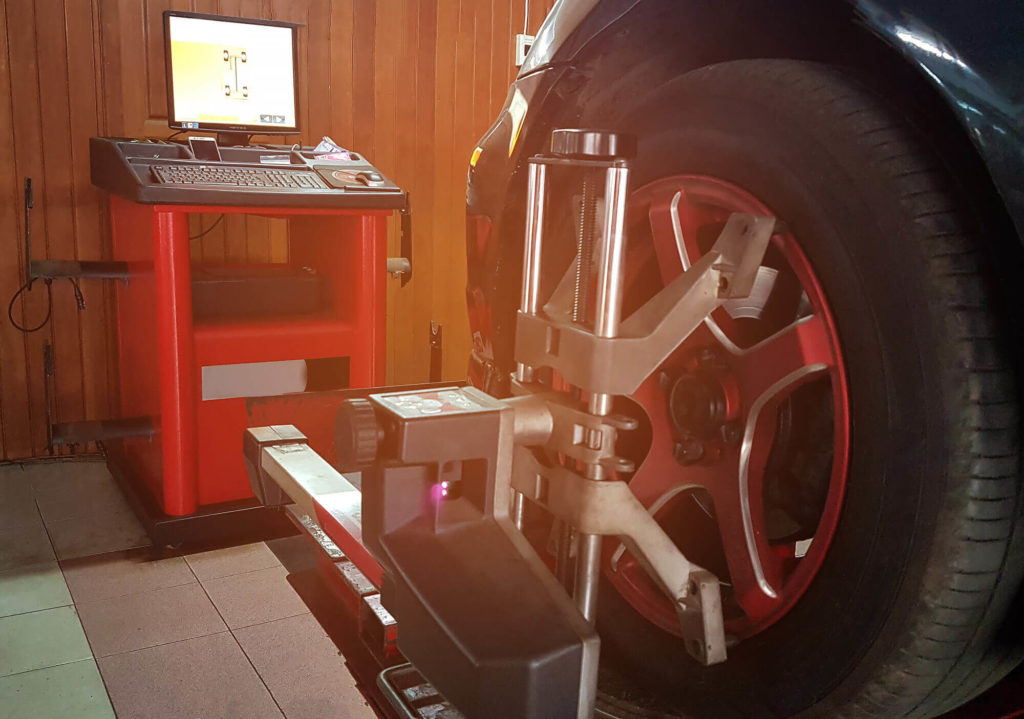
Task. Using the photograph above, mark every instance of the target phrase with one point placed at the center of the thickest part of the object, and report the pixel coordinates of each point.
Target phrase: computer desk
(188, 481)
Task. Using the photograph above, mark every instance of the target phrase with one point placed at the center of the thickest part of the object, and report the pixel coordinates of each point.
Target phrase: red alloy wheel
(733, 384)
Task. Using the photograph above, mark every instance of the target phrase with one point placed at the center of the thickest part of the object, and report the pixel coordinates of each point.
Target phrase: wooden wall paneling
(134, 73)
(297, 12)
(155, 66)
(364, 23)
(386, 48)
(452, 301)
(339, 83)
(539, 10)
(236, 228)
(108, 52)
(397, 81)
(416, 124)
(213, 7)
(422, 26)
(278, 229)
(444, 137)
(195, 249)
(503, 32)
(29, 162)
(318, 82)
(413, 84)
(58, 203)
(211, 243)
(15, 439)
(257, 240)
(100, 326)
(89, 208)
(484, 55)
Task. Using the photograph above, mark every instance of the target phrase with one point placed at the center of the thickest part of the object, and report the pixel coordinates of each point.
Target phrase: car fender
(972, 59)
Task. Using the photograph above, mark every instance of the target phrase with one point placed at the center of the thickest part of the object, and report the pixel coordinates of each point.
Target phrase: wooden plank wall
(411, 83)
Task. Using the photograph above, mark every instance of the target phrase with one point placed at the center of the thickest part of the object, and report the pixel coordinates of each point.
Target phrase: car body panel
(973, 58)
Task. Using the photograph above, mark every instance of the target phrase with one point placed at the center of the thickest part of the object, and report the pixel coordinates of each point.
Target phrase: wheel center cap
(697, 404)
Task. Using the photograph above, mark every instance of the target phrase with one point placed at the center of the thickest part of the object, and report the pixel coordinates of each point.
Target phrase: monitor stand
(233, 139)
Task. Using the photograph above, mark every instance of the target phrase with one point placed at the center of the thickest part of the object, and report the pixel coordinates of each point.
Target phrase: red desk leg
(368, 360)
(176, 358)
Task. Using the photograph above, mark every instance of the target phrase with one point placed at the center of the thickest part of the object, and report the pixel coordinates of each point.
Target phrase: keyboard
(237, 177)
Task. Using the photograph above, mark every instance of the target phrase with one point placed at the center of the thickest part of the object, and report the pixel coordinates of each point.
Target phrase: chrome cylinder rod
(607, 317)
(529, 301)
(518, 509)
(536, 191)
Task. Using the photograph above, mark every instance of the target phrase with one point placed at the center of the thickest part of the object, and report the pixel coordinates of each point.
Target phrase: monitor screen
(230, 74)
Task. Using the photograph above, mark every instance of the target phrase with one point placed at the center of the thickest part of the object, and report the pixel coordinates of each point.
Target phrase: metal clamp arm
(617, 366)
(609, 507)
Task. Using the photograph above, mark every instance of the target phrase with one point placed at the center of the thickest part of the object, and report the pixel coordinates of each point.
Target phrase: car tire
(909, 614)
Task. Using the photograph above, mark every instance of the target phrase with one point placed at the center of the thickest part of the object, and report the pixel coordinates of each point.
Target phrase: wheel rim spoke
(755, 569)
(662, 218)
(674, 223)
(778, 365)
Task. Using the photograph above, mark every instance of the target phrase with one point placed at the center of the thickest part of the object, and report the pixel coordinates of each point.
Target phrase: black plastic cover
(472, 616)
(224, 291)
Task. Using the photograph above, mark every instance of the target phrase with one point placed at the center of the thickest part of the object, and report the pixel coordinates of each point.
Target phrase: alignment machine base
(435, 519)
(481, 614)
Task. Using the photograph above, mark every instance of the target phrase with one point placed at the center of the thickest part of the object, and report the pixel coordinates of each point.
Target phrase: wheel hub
(697, 405)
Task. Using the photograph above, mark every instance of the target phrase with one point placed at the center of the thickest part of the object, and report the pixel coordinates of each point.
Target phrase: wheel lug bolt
(732, 433)
(688, 451)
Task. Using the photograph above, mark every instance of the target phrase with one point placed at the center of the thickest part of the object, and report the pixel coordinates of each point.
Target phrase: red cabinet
(194, 461)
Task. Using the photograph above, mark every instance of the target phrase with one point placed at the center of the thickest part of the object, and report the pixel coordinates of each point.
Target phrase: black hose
(27, 287)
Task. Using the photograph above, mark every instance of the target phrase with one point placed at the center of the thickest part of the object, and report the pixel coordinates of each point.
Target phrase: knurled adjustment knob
(592, 144)
(357, 435)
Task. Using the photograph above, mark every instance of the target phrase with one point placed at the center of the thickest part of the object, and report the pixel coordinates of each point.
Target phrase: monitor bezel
(225, 127)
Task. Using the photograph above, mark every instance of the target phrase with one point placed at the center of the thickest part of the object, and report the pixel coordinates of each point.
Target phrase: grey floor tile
(96, 534)
(255, 597)
(67, 490)
(134, 621)
(121, 573)
(208, 677)
(303, 669)
(41, 639)
(17, 506)
(232, 560)
(29, 589)
(69, 690)
(24, 546)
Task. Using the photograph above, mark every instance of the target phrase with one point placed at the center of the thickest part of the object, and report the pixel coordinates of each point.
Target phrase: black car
(853, 472)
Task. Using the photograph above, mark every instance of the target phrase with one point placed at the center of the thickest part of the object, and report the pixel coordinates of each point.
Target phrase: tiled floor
(92, 626)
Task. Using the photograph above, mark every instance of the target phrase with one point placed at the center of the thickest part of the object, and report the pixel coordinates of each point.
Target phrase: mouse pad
(347, 178)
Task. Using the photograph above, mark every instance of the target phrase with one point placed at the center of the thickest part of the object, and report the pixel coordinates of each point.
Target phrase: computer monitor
(231, 75)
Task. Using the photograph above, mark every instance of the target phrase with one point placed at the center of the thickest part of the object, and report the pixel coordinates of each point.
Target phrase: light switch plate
(523, 45)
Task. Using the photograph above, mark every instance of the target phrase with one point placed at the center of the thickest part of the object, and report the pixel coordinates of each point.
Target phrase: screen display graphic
(225, 73)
